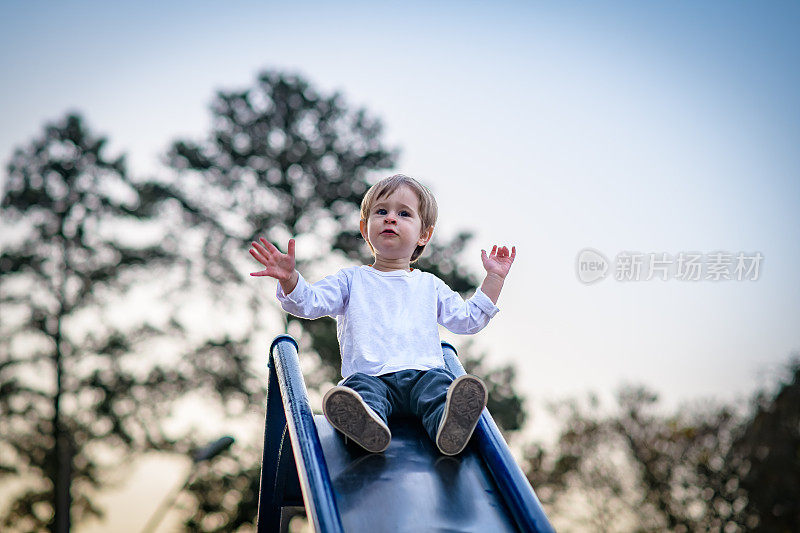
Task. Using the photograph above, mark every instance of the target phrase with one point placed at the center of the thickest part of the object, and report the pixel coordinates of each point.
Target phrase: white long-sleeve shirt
(387, 321)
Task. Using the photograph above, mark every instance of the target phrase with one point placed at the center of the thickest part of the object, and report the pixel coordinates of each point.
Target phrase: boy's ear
(362, 226)
(425, 236)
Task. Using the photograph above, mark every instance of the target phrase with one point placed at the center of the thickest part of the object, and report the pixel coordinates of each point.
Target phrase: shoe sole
(346, 411)
(466, 398)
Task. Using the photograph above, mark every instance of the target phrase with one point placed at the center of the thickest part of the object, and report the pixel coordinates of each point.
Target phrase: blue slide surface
(409, 487)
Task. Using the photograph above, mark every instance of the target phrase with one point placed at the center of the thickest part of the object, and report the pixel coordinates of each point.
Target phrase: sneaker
(346, 411)
(466, 398)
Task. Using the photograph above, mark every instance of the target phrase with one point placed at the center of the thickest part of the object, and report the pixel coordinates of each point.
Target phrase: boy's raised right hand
(277, 265)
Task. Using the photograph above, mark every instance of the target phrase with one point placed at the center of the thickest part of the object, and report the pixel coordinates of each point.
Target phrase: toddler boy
(386, 317)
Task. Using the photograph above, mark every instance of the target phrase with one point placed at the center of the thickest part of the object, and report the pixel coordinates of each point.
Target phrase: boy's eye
(405, 214)
(381, 211)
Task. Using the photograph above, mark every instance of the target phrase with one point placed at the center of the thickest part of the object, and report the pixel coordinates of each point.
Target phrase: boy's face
(393, 226)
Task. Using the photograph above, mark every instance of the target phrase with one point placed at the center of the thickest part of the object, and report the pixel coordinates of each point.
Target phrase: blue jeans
(420, 393)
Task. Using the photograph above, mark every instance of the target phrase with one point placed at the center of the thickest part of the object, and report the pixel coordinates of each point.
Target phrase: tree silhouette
(73, 405)
(281, 160)
(636, 469)
(768, 454)
(699, 469)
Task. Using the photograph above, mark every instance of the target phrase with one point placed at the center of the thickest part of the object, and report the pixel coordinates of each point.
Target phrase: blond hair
(428, 210)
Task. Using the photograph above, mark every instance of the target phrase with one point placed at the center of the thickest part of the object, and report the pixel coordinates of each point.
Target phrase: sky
(623, 127)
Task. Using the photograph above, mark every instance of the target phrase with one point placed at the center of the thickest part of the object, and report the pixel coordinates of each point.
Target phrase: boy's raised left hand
(499, 261)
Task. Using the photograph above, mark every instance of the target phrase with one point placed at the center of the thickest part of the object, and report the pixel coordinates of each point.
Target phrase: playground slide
(409, 487)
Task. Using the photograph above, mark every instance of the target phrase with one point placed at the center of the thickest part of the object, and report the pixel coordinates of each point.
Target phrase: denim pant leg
(374, 392)
(427, 398)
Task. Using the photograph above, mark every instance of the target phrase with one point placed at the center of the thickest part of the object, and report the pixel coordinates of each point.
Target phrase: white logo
(591, 266)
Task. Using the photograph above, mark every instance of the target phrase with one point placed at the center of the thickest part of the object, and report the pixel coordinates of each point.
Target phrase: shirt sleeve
(460, 316)
(327, 297)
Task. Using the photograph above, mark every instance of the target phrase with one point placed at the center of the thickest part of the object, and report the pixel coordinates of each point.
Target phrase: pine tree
(74, 243)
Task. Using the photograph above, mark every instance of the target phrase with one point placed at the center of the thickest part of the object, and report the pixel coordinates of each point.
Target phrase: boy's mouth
(388, 232)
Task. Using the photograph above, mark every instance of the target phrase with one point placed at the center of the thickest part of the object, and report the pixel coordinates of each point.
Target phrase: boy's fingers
(258, 247)
(513, 252)
(290, 248)
(269, 246)
(261, 273)
(269, 250)
(257, 257)
(262, 251)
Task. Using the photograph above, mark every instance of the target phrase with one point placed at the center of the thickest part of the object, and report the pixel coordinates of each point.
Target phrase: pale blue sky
(554, 126)
(617, 126)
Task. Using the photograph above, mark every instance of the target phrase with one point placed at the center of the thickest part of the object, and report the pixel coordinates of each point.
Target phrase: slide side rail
(288, 409)
(511, 481)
